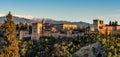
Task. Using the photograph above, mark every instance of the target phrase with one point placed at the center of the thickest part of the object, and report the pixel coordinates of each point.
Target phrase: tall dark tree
(87, 29)
(116, 23)
(10, 48)
(113, 23)
(26, 26)
(21, 26)
(110, 23)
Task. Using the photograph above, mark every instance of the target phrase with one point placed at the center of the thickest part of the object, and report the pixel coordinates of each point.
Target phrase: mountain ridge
(48, 20)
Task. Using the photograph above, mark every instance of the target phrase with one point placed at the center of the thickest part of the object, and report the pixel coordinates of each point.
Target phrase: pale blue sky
(68, 10)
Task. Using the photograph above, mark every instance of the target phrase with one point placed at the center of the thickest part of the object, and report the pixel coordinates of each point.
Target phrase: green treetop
(11, 43)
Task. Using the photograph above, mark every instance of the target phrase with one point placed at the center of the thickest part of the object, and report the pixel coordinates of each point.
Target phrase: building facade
(66, 26)
(24, 34)
(36, 31)
(104, 28)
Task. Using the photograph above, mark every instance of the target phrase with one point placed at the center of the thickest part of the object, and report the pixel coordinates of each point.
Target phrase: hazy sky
(69, 10)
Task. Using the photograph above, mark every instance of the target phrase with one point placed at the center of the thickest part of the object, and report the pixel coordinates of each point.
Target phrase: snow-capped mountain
(17, 19)
(27, 17)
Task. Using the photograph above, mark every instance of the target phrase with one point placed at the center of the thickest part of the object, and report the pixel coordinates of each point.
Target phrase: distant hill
(29, 21)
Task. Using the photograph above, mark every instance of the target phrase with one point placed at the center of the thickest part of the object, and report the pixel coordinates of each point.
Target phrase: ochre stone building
(66, 26)
(104, 28)
(36, 31)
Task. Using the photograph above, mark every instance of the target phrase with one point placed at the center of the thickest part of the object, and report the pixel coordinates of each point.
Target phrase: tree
(87, 29)
(26, 26)
(113, 23)
(10, 48)
(21, 26)
(110, 23)
(116, 23)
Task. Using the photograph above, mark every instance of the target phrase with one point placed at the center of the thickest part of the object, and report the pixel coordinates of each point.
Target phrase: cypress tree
(110, 23)
(116, 23)
(11, 48)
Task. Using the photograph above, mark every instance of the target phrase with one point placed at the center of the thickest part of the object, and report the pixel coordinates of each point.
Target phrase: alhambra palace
(69, 30)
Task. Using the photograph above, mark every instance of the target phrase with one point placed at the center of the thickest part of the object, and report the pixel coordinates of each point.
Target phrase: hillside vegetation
(65, 47)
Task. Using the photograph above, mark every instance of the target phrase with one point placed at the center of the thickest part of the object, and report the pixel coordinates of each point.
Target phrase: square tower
(98, 24)
(36, 31)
